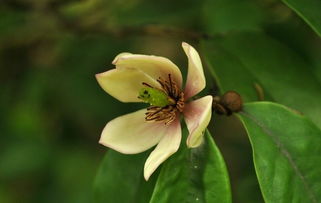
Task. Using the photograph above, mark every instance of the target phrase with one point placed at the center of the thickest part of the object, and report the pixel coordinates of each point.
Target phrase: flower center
(165, 103)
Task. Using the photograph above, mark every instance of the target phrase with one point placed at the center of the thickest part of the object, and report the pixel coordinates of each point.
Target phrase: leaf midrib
(284, 152)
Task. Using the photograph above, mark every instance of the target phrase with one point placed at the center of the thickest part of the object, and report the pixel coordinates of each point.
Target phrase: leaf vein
(284, 151)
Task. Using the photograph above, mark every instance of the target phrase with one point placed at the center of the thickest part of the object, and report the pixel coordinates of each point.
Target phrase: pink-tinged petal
(154, 66)
(168, 145)
(195, 76)
(197, 115)
(131, 134)
(124, 84)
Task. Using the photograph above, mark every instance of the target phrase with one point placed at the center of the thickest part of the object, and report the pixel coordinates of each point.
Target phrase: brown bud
(232, 101)
(216, 99)
(219, 109)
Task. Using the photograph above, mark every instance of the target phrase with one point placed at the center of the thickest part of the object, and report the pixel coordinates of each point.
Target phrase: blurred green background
(53, 110)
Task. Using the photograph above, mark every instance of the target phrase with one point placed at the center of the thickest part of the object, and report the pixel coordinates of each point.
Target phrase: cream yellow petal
(197, 115)
(124, 84)
(131, 134)
(195, 76)
(120, 55)
(168, 145)
(154, 66)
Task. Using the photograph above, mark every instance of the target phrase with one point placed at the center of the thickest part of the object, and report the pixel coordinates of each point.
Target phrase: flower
(157, 81)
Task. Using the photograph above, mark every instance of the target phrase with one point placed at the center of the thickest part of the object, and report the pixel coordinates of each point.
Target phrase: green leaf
(223, 16)
(309, 11)
(194, 175)
(120, 179)
(286, 150)
(241, 60)
(229, 72)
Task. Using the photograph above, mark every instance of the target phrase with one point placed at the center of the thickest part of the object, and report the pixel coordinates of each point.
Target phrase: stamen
(166, 114)
(145, 84)
(180, 103)
(170, 84)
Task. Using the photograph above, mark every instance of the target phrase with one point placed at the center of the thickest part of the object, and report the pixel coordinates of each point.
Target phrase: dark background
(52, 108)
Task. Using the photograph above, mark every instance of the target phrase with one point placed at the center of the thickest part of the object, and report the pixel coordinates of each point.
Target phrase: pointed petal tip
(185, 44)
(146, 176)
(154, 66)
(194, 144)
(195, 76)
(187, 47)
(130, 134)
(105, 144)
(100, 141)
(149, 170)
(167, 146)
(114, 61)
(124, 84)
(119, 56)
(197, 118)
(97, 75)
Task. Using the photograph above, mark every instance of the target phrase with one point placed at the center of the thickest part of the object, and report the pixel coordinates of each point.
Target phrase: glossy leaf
(120, 179)
(194, 175)
(309, 10)
(229, 72)
(286, 150)
(242, 60)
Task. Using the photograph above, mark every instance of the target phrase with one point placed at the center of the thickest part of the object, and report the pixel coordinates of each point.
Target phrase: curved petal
(124, 84)
(154, 66)
(168, 145)
(195, 76)
(197, 115)
(120, 55)
(131, 134)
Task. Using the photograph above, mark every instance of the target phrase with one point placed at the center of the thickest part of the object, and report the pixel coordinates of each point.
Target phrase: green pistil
(154, 97)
